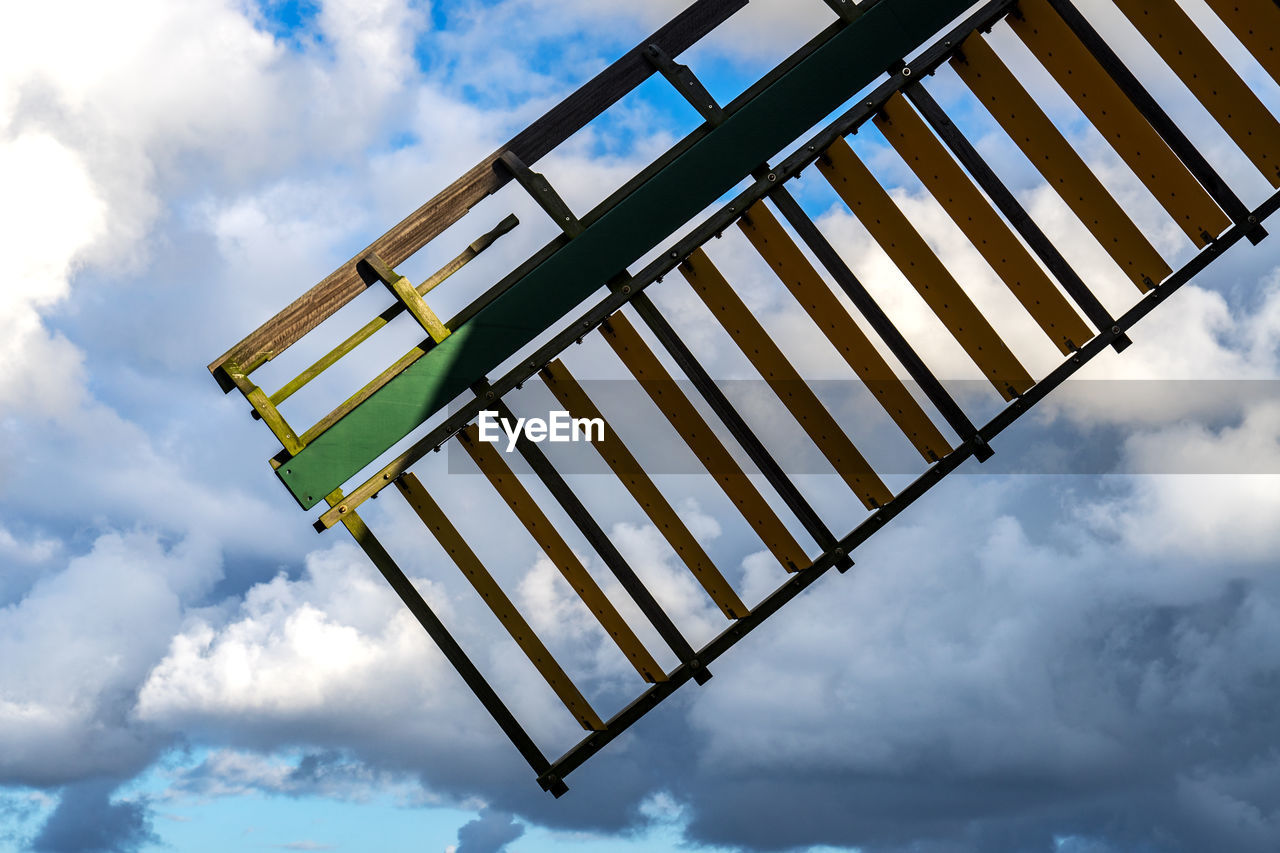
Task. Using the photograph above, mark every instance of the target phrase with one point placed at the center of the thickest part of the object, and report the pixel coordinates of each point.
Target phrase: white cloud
(337, 638)
(51, 212)
(77, 647)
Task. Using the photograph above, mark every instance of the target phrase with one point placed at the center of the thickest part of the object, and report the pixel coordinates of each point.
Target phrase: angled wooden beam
(1213, 81)
(451, 204)
(1100, 98)
(499, 474)
(794, 270)
(891, 229)
(974, 215)
(720, 464)
(474, 571)
(1012, 106)
(624, 465)
(781, 376)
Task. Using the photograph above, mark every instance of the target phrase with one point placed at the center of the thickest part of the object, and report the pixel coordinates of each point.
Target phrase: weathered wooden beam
(451, 204)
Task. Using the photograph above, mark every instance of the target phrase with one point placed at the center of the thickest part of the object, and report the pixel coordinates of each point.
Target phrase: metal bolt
(906, 71)
(1115, 330)
(386, 476)
(772, 177)
(626, 288)
(488, 395)
(342, 509)
(675, 254)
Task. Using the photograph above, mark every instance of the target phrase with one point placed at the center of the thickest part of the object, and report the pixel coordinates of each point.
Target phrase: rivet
(626, 288)
(342, 509)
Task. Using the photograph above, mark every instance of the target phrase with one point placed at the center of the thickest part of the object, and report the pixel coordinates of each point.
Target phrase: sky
(1075, 647)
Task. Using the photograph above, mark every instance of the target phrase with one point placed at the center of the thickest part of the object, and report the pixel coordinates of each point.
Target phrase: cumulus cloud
(292, 650)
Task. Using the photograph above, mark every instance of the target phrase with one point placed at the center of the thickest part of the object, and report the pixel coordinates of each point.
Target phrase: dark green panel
(797, 101)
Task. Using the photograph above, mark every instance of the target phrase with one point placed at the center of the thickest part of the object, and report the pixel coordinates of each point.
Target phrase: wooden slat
(619, 459)
(782, 377)
(869, 201)
(1058, 163)
(793, 268)
(490, 462)
(1118, 120)
(431, 219)
(1255, 23)
(475, 572)
(737, 486)
(975, 216)
(1211, 79)
(711, 165)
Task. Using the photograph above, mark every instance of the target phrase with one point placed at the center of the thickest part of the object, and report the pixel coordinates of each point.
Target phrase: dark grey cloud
(86, 821)
(490, 832)
(976, 684)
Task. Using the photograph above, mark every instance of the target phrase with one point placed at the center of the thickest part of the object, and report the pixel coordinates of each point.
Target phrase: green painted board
(795, 102)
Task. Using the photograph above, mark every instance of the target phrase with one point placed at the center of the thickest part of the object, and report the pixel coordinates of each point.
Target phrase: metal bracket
(537, 185)
(686, 83)
(403, 290)
(847, 9)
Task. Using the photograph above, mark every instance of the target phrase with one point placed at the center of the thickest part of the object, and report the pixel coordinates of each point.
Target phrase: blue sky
(1020, 663)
